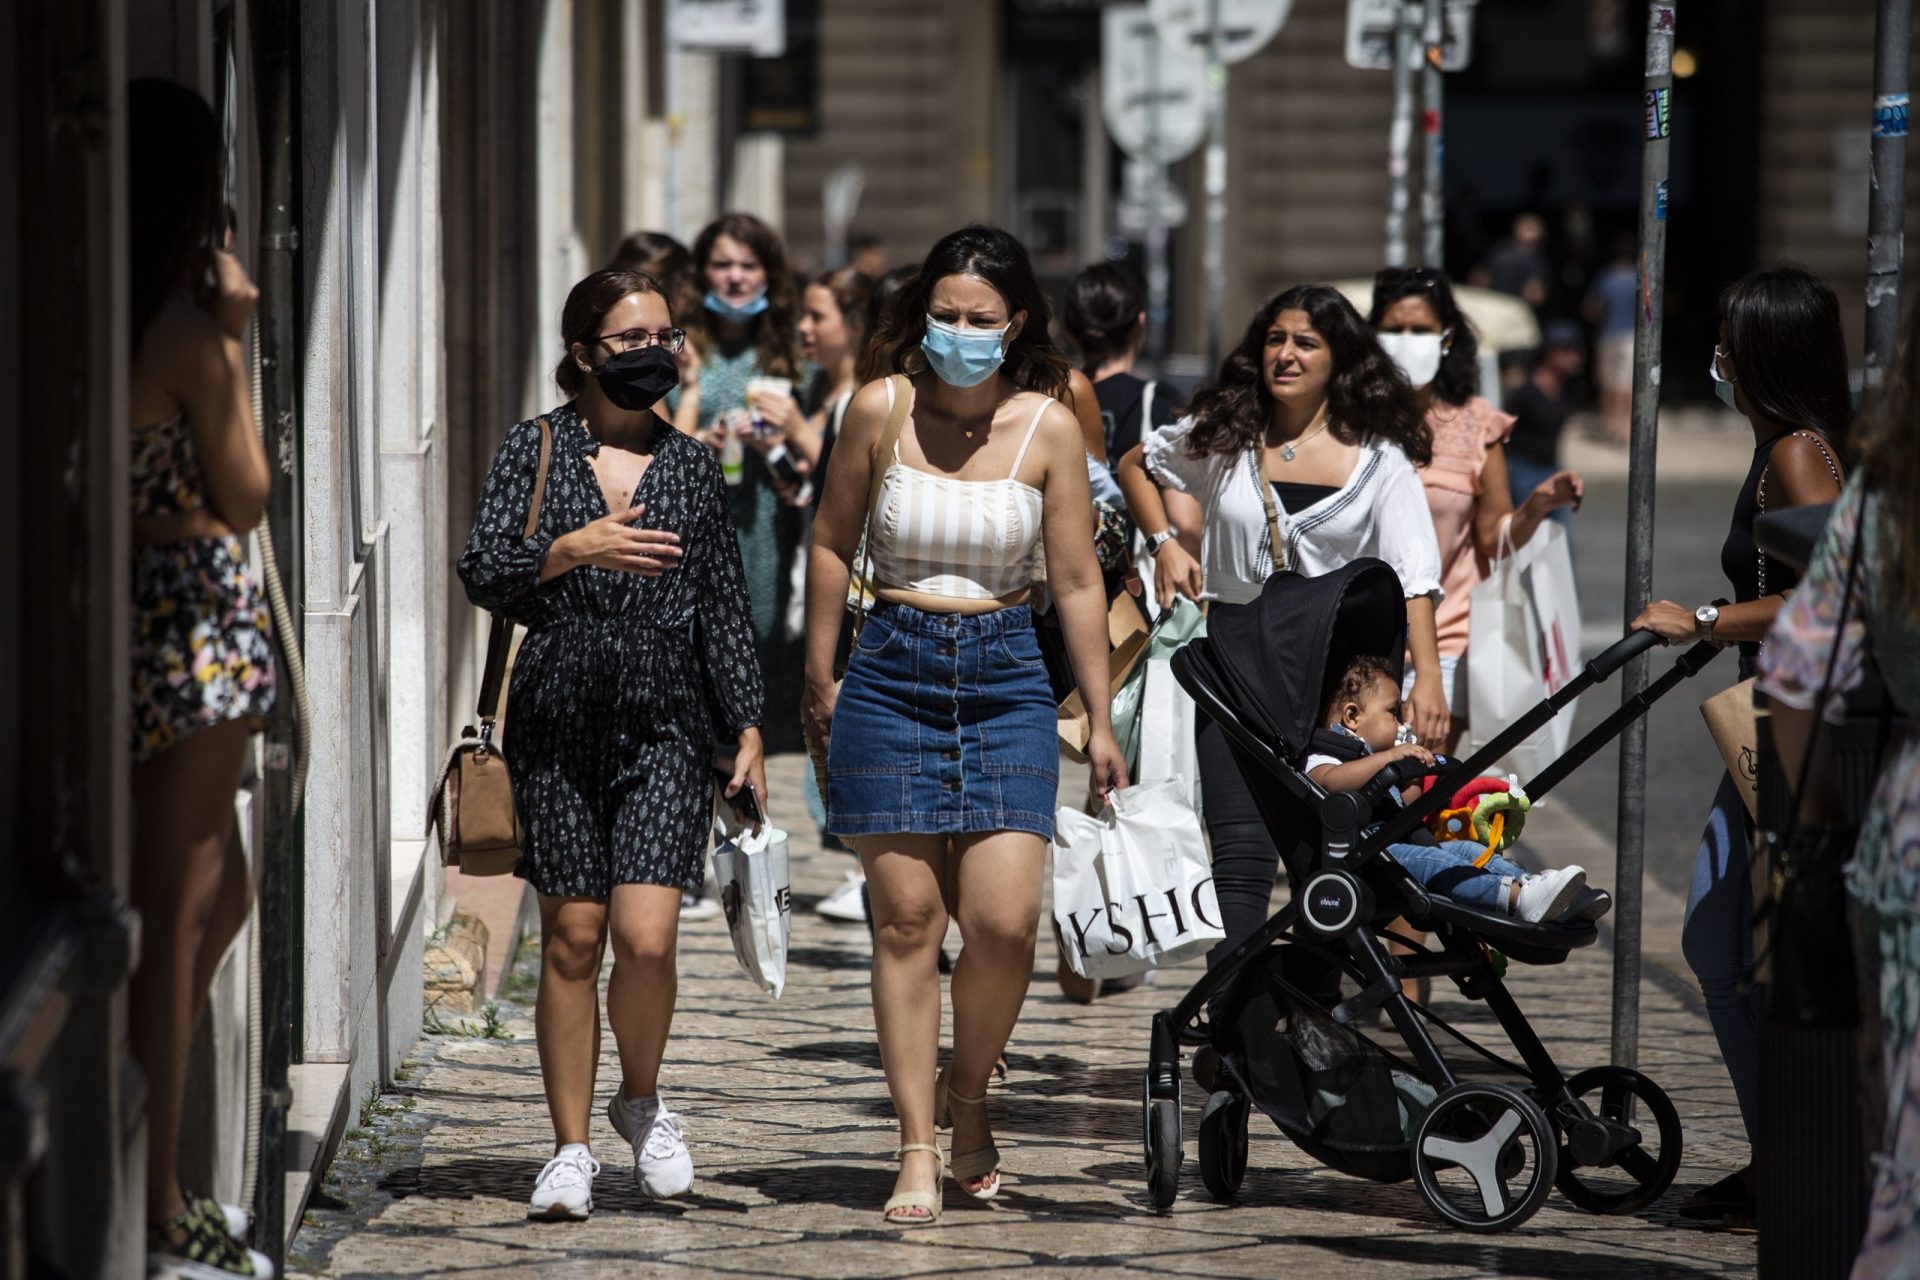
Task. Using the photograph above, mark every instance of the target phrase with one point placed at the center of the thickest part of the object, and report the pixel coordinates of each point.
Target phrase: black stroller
(1483, 1153)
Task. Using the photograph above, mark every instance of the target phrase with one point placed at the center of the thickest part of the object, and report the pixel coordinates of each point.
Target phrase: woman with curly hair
(1302, 452)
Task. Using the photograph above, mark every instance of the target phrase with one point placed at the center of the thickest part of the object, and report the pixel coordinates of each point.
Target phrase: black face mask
(635, 380)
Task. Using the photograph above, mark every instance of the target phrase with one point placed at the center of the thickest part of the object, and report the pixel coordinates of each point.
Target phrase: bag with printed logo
(751, 869)
(1133, 888)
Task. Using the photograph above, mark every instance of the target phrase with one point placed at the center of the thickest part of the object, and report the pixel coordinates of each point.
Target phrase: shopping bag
(1166, 732)
(1523, 644)
(1132, 888)
(751, 869)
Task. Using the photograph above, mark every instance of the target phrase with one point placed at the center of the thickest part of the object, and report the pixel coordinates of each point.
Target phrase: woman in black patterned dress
(638, 657)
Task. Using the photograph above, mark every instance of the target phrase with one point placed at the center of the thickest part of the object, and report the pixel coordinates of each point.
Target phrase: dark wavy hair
(1367, 398)
(1458, 378)
(1033, 362)
(587, 305)
(1783, 336)
(1102, 310)
(174, 185)
(883, 318)
(775, 340)
(667, 261)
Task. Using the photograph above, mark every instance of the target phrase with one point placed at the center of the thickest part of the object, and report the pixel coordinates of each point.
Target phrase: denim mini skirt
(945, 726)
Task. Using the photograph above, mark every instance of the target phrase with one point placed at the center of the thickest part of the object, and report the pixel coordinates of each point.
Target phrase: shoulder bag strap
(1276, 543)
(500, 635)
(900, 394)
(1146, 408)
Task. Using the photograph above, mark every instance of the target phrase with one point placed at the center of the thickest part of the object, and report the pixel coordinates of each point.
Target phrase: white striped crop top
(963, 539)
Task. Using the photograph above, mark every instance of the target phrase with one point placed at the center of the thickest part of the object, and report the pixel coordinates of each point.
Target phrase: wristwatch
(1155, 541)
(1706, 615)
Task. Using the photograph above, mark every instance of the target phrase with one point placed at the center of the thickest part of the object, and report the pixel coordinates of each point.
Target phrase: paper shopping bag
(1132, 888)
(1735, 728)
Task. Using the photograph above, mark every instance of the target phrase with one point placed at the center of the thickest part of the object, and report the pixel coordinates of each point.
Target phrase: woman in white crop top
(942, 756)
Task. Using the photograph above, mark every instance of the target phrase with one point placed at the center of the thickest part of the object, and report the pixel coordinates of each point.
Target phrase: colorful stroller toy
(1483, 1152)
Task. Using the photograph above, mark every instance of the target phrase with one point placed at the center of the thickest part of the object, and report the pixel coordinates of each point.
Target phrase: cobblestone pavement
(791, 1133)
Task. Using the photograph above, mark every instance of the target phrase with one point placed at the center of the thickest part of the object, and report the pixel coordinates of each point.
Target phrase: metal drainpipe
(276, 56)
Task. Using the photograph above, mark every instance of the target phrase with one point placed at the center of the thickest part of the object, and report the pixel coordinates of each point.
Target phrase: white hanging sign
(1152, 89)
(757, 27)
(1370, 28)
(1246, 25)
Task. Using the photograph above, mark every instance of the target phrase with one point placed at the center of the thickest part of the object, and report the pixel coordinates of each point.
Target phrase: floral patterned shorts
(202, 642)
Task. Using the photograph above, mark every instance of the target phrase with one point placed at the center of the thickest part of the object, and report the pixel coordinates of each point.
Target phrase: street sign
(1152, 89)
(757, 27)
(1147, 199)
(1246, 25)
(1370, 26)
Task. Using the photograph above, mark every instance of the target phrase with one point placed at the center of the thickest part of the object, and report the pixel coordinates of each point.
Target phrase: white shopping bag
(1166, 732)
(1523, 644)
(1132, 888)
(751, 870)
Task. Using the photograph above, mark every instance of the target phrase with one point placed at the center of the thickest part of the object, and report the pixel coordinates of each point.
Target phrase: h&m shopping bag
(1523, 645)
(1132, 888)
(751, 869)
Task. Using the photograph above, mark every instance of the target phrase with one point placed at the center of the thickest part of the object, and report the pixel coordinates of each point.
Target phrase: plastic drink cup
(759, 388)
(733, 453)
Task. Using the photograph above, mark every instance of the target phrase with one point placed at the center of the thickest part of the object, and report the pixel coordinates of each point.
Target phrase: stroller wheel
(1223, 1144)
(1598, 1173)
(1164, 1152)
(1474, 1144)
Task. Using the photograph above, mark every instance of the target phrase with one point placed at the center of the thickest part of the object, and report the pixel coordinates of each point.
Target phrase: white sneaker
(1550, 895)
(662, 1165)
(565, 1190)
(844, 902)
(695, 907)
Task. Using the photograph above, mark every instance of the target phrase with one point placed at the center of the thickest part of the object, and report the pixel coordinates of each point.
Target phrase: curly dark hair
(1354, 682)
(776, 340)
(1458, 379)
(1367, 398)
(883, 320)
(1033, 362)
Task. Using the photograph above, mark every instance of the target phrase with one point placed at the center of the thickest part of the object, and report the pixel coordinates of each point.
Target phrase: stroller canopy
(1274, 658)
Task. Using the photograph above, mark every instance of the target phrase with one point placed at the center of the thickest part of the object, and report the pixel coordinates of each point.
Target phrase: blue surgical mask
(736, 311)
(1722, 387)
(963, 357)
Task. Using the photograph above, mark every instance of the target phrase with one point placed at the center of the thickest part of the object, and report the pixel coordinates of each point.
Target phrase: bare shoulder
(1808, 466)
(182, 344)
(866, 415)
(1058, 428)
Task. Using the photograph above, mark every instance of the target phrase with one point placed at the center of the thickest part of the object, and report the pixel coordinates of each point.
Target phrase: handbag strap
(1275, 544)
(500, 635)
(1760, 499)
(900, 401)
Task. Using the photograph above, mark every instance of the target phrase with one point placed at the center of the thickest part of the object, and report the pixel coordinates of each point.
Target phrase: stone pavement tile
(792, 1135)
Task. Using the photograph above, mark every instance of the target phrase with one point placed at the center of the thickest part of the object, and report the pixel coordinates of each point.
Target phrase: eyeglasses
(671, 340)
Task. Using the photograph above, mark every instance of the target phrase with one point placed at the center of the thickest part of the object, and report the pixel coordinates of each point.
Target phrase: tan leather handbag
(472, 804)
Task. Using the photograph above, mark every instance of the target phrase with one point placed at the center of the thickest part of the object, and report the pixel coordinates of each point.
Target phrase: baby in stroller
(1361, 723)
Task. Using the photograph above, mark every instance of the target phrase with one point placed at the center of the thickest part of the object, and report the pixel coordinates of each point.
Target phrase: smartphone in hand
(744, 805)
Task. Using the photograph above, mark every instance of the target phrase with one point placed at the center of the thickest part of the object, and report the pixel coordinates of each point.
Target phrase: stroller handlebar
(1619, 653)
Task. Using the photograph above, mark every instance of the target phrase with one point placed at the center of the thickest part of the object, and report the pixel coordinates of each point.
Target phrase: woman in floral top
(1882, 625)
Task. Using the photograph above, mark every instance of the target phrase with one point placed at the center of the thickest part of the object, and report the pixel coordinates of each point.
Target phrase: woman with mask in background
(611, 709)
(742, 402)
(943, 760)
(1782, 361)
(1425, 334)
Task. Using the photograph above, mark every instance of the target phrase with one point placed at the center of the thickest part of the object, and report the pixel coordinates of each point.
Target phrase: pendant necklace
(1287, 450)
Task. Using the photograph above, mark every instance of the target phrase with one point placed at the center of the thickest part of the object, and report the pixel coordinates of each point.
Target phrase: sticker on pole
(1245, 25)
(1659, 102)
(1370, 28)
(1890, 116)
(1152, 88)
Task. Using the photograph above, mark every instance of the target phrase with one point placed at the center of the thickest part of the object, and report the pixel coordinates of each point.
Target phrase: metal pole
(1886, 215)
(1216, 179)
(1158, 276)
(1657, 111)
(1433, 205)
(1400, 139)
(670, 94)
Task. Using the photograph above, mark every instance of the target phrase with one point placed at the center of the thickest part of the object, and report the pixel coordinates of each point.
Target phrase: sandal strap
(927, 1147)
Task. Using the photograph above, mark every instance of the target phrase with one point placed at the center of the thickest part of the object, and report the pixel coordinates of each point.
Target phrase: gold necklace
(1287, 450)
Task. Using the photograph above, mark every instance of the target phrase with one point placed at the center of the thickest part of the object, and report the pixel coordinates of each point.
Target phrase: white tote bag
(1132, 888)
(754, 892)
(1166, 732)
(1523, 645)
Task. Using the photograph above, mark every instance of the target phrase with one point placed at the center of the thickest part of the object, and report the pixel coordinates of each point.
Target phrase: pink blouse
(1461, 437)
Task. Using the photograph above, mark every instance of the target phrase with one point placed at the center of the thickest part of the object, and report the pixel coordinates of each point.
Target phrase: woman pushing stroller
(1361, 725)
